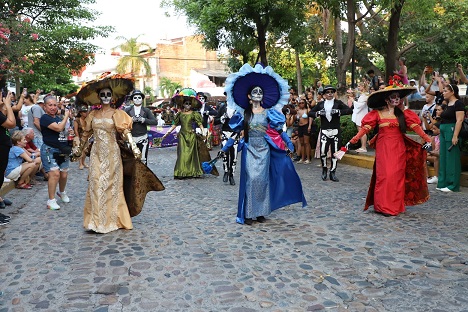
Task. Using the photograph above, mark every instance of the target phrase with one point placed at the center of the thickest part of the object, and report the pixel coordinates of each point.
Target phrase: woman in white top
(359, 111)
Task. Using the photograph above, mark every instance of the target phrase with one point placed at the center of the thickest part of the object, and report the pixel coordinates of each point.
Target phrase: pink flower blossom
(35, 36)
(27, 20)
(22, 71)
(31, 72)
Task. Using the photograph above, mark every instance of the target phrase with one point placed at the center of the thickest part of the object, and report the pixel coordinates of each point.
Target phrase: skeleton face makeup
(394, 99)
(137, 100)
(105, 95)
(202, 99)
(256, 94)
(187, 106)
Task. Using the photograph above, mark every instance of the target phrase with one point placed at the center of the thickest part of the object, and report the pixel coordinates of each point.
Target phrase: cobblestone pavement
(186, 253)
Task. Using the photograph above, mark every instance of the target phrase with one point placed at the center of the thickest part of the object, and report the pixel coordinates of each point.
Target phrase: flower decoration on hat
(395, 82)
(238, 86)
(377, 99)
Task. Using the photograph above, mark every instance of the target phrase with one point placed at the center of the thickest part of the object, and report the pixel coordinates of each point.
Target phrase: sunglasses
(330, 92)
(105, 94)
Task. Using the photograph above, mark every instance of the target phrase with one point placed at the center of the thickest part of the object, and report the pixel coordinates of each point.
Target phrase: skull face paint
(202, 99)
(137, 100)
(105, 95)
(256, 94)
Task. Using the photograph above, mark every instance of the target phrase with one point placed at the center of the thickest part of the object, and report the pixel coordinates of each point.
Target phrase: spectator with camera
(55, 152)
(436, 86)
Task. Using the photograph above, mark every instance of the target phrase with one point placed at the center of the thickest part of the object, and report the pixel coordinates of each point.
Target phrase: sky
(134, 18)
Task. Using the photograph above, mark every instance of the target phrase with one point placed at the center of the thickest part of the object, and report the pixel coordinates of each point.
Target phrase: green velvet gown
(188, 162)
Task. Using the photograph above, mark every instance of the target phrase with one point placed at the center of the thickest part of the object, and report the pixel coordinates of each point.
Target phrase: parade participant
(168, 115)
(329, 112)
(207, 112)
(141, 116)
(191, 150)
(55, 150)
(114, 195)
(399, 177)
(230, 157)
(268, 179)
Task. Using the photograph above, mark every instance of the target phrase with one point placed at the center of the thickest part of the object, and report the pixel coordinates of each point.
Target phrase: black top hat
(328, 87)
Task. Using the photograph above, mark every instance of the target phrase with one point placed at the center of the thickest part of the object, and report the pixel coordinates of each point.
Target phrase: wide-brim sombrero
(120, 84)
(238, 86)
(377, 99)
(184, 95)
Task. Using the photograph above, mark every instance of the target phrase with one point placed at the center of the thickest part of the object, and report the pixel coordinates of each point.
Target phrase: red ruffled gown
(399, 178)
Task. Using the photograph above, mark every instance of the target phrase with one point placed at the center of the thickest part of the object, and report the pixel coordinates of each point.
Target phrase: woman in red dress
(399, 178)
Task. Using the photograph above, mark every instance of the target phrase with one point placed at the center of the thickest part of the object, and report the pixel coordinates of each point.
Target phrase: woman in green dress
(191, 151)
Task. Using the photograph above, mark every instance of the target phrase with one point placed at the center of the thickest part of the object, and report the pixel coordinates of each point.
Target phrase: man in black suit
(329, 112)
(141, 116)
(206, 111)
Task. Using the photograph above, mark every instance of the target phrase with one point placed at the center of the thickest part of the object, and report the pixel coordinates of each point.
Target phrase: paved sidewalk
(186, 253)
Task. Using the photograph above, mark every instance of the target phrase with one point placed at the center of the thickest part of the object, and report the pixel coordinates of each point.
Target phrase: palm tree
(168, 87)
(133, 61)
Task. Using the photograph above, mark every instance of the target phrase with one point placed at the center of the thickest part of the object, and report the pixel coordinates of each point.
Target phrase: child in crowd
(21, 167)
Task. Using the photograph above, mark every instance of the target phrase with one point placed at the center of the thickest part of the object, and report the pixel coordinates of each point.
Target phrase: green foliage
(168, 87)
(133, 61)
(241, 25)
(149, 91)
(62, 36)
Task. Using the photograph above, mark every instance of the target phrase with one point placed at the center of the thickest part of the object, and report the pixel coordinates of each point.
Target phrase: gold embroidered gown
(105, 208)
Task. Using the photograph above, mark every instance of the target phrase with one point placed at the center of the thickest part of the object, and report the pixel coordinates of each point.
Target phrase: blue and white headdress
(238, 86)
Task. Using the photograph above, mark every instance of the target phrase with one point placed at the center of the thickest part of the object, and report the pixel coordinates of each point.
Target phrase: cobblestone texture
(186, 252)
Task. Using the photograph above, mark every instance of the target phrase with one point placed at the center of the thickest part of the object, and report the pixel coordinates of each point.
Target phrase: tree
(134, 61)
(236, 24)
(168, 87)
(62, 38)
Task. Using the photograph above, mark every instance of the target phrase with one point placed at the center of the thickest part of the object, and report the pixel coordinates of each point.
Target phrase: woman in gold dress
(106, 205)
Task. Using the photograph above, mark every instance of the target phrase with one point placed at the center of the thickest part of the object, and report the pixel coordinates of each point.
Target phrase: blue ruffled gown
(268, 179)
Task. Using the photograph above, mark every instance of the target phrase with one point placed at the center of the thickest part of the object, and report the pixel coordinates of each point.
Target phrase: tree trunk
(340, 73)
(299, 73)
(392, 40)
(344, 57)
(261, 39)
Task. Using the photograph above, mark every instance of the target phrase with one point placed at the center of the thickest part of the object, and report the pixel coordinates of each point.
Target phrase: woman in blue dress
(268, 179)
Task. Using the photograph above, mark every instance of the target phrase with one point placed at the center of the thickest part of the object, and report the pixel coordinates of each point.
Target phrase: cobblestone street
(186, 252)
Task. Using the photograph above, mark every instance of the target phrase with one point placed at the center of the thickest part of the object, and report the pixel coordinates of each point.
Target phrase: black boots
(324, 173)
(229, 175)
(231, 180)
(333, 176)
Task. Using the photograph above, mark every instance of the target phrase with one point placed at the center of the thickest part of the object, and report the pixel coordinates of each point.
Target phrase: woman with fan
(268, 179)
(399, 178)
